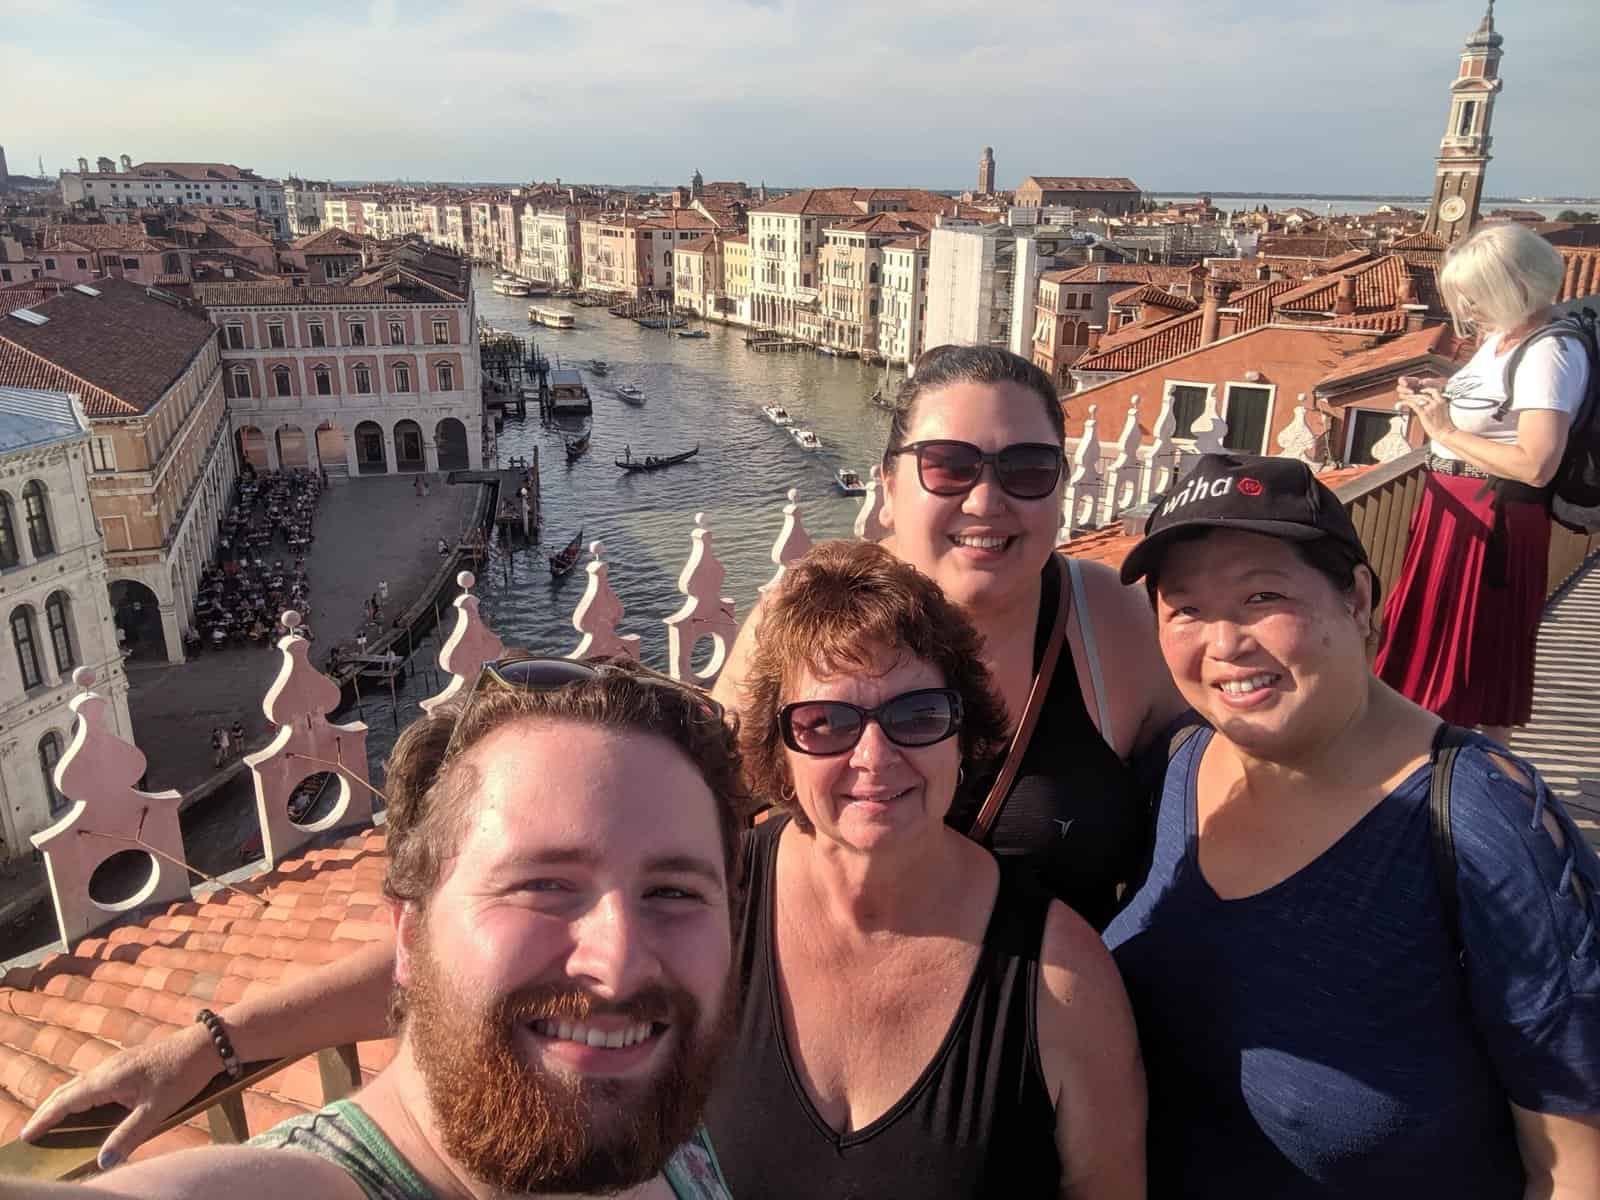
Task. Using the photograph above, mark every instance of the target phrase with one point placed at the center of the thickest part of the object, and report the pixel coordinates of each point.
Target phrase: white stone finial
(1393, 444)
(298, 703)
(1121, 486)
(83, 678)
(597, 615)
(470, 644)
(705, 612)
(1084, 484)
(793, 540)
(1164, 456)
(1209, 429)
(109, 814)
(1298, 441)
(869, 524)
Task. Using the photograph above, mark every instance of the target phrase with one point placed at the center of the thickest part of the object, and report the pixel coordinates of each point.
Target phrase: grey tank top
(348, 1138)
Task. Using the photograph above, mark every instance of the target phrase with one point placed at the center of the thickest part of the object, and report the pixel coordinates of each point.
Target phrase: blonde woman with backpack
(1461, 624)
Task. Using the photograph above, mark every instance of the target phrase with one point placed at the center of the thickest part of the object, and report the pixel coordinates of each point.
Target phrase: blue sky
(1284, 96)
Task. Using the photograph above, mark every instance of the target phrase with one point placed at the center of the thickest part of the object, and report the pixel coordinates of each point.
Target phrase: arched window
(280, 381)
(324, 381)
(447, 378)
(9, 554)
(27, 644)
(37, 508)
(363, 377)
(241, 384)
(57, 618)
(402, 379)
(49, 756)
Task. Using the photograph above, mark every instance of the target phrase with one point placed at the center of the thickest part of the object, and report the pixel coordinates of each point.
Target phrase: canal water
(707, 392)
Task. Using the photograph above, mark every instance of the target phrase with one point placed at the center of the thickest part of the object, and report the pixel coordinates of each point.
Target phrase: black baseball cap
(1279, 497)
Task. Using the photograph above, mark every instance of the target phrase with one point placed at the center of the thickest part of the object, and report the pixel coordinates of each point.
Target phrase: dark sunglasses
(912, 719)
(1027, 470)
(545, 674)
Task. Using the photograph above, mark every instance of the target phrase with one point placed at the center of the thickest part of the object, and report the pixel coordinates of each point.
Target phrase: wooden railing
(69, 1151)
(1383, 500)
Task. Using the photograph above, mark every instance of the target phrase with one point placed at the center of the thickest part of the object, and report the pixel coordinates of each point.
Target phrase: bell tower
(986, 172)
(1464, 151)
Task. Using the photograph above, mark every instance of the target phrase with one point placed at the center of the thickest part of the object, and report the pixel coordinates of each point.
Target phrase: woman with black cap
(1328, 1003)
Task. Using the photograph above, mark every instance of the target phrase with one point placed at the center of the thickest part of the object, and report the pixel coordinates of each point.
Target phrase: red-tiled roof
(1109, 546)
(144, 980)
(329, 241)
(179, 170)
(1297, 245)
(121, 349)
(1583, 272)
(1154, 296)
(1149, 345)
(1123, 273)
(1419, 241)
(1378, 286)
(101, 237)
(1081, 183)
(1435, 342)
(832, 202)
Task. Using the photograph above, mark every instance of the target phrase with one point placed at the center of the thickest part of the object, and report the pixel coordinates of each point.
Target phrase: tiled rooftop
(1082, 183)
(147, 978)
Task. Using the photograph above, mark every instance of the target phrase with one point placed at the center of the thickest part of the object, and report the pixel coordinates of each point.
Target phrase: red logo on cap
(1249, 487)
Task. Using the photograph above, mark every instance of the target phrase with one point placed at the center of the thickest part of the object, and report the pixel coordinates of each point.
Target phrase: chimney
(1228, 320)
(1217, 290)
(1114, 323)
(83, 165)
(1406, 294)
(1345, 304)
(127, 165)
(1100, 275)
(1264, 273)
(1095, 334)
(1416, 316)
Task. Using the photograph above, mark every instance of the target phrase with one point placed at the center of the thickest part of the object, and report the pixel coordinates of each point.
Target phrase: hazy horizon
(1294, 98)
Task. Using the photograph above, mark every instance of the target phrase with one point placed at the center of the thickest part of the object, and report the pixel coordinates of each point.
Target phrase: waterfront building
(698, 281)
(325, 257)
(302, 199)
(145, 367)
(1464, 150)
(903, 316)
(736, 278)
(144, 184)
(629, 255)
(983, 280)
(552, 245)
(850, 268)
(508, 233)
(53, 601)
(484, 214)
(1116, 197)
(375, 374)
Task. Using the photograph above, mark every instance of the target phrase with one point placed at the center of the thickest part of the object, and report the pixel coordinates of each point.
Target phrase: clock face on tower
(1453, 209)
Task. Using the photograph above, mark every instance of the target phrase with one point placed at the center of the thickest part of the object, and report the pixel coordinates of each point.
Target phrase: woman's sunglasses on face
(1026, 470)
(911, 719)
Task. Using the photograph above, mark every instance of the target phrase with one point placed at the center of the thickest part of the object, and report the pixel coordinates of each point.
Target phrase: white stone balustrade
(306, 744)
(1393, 444)
(109, 815)
(598, 613)
(705, 613)
(1298, 441)
(1164, 460)
(1121, 485)
(793, 540)
(869, 526)
(1209, 429)
(470, 644)
(1083, 492)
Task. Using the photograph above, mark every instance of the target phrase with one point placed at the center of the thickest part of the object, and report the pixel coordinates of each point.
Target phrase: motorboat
(849, 482)
(828, 350)
(599, 366)
(805, 439)
(632, 393)
(777, 414)
(693, 333)
(551, 318)
(651, 463)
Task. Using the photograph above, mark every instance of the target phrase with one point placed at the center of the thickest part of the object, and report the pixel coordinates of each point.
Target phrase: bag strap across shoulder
(1447, 745)
(995, 801)
(1571, 327)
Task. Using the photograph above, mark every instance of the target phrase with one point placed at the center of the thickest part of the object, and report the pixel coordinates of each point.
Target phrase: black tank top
(1075, 820)
(978, 1121)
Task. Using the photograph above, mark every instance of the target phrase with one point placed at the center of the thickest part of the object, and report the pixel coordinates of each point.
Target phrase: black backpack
(1574, 494)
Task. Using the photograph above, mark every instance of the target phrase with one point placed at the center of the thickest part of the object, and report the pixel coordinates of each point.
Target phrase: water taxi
(510, 285)
(552, 318)
(631, 392)
(849, 482)
(777, 414)
(805, 439)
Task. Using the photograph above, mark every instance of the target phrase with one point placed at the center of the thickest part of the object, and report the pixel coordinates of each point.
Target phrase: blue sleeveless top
(1321, 1038)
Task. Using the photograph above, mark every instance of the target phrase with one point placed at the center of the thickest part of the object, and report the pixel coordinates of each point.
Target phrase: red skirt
(1462, 622)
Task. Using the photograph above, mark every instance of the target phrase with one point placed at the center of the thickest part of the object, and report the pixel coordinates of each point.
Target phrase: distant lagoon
(1325, 205)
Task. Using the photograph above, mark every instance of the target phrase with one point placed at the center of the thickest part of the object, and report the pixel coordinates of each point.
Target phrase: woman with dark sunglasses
(973, 479)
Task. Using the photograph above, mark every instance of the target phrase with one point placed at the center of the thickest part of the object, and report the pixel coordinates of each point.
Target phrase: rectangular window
(441, 333)
(55, 611)
(1247, 418)
(397, 334)
(275, 336)
(130, 264)
(241, 385)
(358, 335)
(447, 378)
(233, 336)
(1188, 402)
(83, 264)
(102, 457)
(1366, 430)
(318, 336)
(363, 378)
(27, 649)
(49, 264)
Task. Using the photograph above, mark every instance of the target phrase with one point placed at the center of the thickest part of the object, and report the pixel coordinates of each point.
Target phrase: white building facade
(552, 249)
(54, 603)
(143, 184)
(905, 300)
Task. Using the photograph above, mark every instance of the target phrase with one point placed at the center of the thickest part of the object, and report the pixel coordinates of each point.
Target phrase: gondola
(562, 564)
(652, 463)
(599, 366)
(577, 447)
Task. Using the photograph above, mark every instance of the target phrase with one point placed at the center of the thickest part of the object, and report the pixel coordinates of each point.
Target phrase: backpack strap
(1567, 327)
(1447, 744)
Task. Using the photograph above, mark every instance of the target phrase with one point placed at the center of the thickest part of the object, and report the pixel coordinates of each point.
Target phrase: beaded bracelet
(219, 1038)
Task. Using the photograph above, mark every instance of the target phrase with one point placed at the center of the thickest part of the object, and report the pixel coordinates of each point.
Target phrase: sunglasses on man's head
(546, 674)
(1026, 470)
(911, 719)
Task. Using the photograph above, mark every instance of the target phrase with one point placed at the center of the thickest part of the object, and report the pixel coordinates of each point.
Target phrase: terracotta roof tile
(1123, 273)
(1378, 286)
(1583, 272)
(1152, 295)
(1082, 183)
(1433, 342)
(140, 981)
(1148, 345)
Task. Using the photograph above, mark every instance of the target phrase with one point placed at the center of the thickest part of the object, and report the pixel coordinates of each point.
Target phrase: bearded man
(560, 852)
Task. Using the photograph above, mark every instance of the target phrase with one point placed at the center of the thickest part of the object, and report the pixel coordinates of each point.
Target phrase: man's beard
(522, 1128)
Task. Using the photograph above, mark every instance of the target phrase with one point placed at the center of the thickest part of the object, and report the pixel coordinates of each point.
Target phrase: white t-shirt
(1553, 374)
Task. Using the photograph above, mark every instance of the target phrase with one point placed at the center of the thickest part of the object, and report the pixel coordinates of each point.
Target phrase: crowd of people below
(983, 871)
